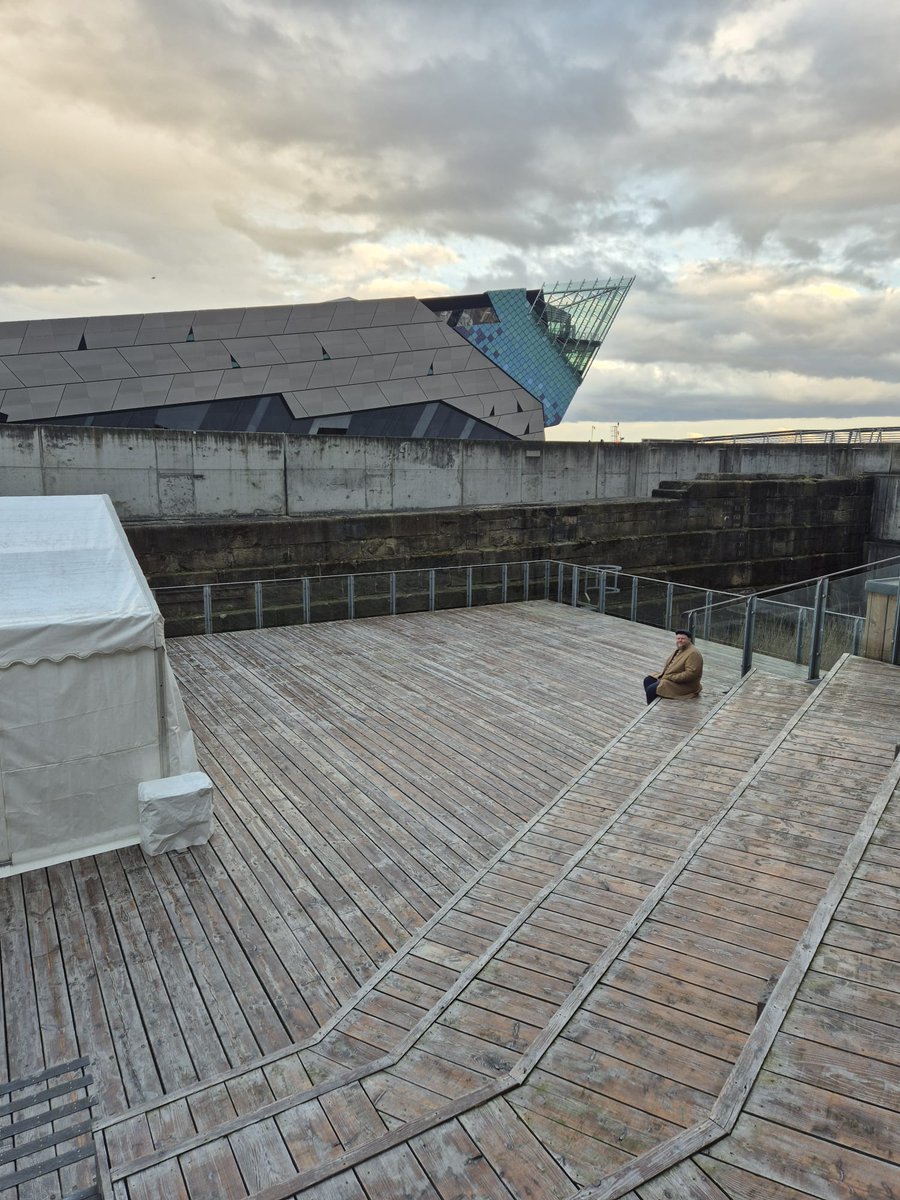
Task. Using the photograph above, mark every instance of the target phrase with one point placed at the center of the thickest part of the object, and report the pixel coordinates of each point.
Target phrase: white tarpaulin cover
(175, 813)
(69, 582)
(89, 707)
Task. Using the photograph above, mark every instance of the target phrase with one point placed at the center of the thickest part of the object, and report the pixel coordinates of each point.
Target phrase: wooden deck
(476, 922)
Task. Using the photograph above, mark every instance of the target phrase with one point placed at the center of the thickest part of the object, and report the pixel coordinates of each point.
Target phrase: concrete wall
(164, 475)
(716, 533)
(884, 533)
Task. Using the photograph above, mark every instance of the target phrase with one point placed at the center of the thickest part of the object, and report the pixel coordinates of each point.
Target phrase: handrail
(854, 436)
(801, 583)
(787, 628)
(517, 562)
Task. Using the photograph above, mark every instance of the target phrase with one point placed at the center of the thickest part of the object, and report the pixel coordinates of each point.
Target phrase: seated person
(680, 677)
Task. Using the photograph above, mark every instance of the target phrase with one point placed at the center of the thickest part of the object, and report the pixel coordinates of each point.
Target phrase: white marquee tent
(89, 708)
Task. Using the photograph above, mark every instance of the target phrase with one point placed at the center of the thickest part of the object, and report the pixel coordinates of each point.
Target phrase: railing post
(634, 597)
(801, 635)
(504, 582)
(670, 592)
(526, 579)
(708, 599)
(258, 599)
(207, 608)
(559, 582)
(574, 587)
(749, 625)
(895, 644)
(392, 588)
(815, 649)
(468, 587)
(601, 593)
(431, 589)
(858, 626)
(351, 597)
(547, 566)
(306, 605)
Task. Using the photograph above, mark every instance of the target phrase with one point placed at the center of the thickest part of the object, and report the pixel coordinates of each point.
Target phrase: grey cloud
(258, 145)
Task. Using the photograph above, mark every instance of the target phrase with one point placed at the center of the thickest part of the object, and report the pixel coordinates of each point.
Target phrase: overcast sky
(741, 159)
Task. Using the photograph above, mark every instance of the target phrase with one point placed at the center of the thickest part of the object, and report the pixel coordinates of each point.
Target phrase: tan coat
(681, 674)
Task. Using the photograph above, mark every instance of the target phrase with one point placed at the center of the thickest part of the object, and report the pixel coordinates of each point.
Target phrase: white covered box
(89, 707)
(175, 813)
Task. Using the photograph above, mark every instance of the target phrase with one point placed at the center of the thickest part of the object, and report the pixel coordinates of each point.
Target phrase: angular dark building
(499, 364)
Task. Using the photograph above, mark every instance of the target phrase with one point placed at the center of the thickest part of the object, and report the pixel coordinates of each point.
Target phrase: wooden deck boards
(485, 1040)
(606, 1059)
(366, 779)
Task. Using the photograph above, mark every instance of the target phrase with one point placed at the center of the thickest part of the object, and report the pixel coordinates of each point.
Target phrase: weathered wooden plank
(874, 1037)
(739, 1184)
(341, 1187)
(778, 875)
(353, 1116)
(671, 1060)
(661, 1021)
(526, 980)
(842, 1121)
(211, 1170)
(391, 1009)
(163, 1180)
(879, 943)
(750, 889)
(529, 1172)
(512, 1003)
(534, 935)
(399, 1100)
(171, 1123)
(287, 1076)
(633, 1086)
(860, 968)
(625, 1128)
(684, 1182)
(659, 987)
(261, 1155)
(712, 951)
(473, 1053)
(795, 1159)
(396, 1171)
(725, 923)
(684, 897)
(309, 1135)
(455, 1166)
(209, 1108)
(250, 1091)
(583, 1158)
(449, 1079)
(135, 1063)
(497, 1028)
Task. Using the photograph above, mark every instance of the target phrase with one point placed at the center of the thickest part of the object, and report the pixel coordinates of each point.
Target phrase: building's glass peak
(545, 338)
(578, 316)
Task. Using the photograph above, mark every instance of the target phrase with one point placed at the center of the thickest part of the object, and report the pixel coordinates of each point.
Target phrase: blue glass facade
(544, 340)
(521, 345)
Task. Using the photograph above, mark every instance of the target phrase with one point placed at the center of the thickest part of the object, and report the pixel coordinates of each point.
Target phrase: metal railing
(810, 623)
(863, 436)
(305, 599)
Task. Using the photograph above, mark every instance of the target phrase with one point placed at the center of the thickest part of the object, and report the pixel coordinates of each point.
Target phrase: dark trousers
(650, 685)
